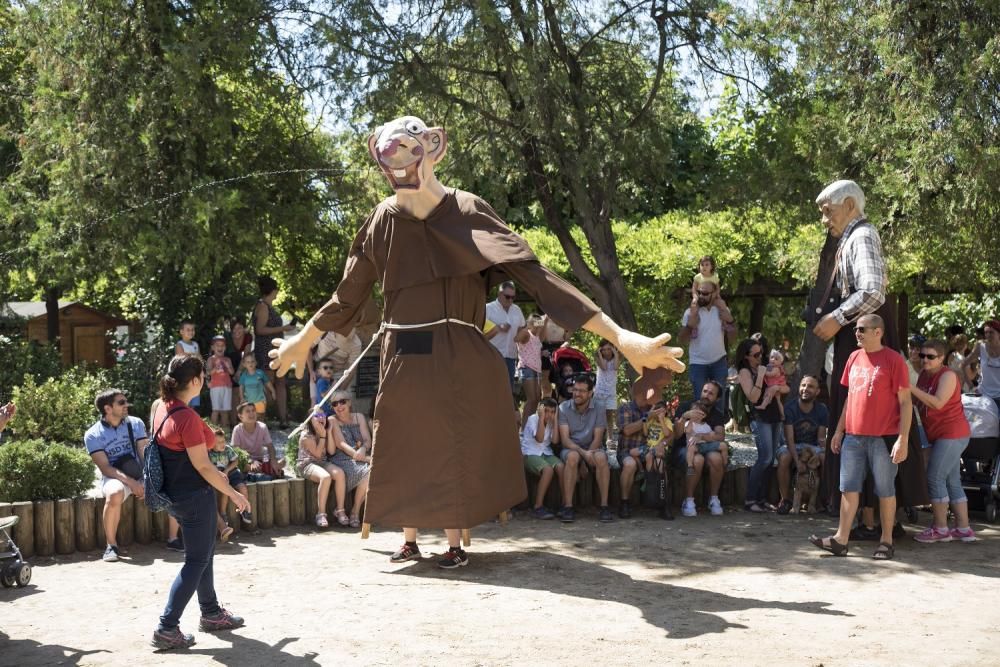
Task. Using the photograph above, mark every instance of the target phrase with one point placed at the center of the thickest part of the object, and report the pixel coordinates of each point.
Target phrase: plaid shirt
(863, 275)
(628, 413)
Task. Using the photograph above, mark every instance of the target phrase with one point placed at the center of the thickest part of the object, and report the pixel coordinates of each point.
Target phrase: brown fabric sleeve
(565, 304)
(346, 307)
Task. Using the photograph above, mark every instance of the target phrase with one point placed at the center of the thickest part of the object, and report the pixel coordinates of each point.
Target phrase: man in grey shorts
(875, 418)
(581, 433)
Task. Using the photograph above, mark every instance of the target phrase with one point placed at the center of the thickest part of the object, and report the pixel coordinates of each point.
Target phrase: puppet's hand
(288, 352)
(643, 352)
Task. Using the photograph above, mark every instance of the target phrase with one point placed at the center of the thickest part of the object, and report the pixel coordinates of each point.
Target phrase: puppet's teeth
(399, 173)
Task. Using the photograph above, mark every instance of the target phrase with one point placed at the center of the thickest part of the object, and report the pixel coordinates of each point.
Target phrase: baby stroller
(13, 569)
(981, 459)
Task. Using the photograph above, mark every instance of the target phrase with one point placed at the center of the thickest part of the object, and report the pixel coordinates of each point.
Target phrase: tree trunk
(757, 306)
(52, 313)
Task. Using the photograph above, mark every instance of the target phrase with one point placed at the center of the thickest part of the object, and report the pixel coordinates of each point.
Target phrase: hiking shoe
(606, 516)
(220, 620)
(165, 640)
(933, 534)
(454, 558)
(111, 554)
(715, 506)
(688, 508)
(405, 553)
(784, 507)
(863, 533)
(567, 515)
(246, 516)
(175, 545)
(963, 535)
(898, 531)
(542, 513)
(625, 511)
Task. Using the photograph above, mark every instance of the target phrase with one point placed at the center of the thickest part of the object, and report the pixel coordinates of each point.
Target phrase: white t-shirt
(989, 373)
(709, 346)
(504, 341)
(530, 446)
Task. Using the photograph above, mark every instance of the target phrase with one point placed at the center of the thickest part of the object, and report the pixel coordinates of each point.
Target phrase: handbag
(654, 492)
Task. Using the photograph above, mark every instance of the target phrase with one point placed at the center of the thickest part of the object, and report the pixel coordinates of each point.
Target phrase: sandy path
(743, 589)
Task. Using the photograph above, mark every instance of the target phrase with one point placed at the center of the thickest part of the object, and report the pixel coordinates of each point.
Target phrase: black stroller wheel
(911, 514)
(991, 512)
(7, 578)
(23, 576)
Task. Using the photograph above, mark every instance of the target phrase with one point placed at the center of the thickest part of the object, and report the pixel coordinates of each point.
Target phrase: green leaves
(40, 470)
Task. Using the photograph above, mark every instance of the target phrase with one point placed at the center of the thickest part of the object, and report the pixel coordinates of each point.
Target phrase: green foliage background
(37, 469)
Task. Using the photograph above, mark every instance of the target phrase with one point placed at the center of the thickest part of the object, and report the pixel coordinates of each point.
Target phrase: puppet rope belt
(385, 326)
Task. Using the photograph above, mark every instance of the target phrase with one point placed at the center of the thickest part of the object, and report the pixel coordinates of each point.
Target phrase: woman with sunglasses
(939, 400)
(350, 444)
(765, 423)
(313, 464)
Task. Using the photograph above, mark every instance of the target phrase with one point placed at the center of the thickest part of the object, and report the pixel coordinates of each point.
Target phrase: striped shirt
(863, 277)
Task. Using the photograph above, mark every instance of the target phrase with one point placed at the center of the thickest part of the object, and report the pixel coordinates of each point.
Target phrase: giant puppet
(445, 451)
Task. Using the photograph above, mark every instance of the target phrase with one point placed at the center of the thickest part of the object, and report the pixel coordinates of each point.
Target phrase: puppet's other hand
(644, 352)
(289, 352)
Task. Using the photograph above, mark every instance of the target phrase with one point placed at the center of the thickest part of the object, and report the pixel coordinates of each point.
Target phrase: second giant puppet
(445, 448)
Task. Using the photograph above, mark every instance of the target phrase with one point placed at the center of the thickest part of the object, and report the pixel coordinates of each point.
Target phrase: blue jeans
(944, 478)
(197, 515)
(765, 436)
(702, 373)
(860, 452)
(511, 366)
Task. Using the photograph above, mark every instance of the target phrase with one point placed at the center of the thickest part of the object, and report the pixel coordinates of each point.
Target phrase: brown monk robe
(445, 445)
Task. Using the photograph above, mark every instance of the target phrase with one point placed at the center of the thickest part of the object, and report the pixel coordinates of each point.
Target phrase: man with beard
(806, 421)
(701, 325)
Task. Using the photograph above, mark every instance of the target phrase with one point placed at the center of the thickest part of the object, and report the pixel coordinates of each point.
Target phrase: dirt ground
(737, 590)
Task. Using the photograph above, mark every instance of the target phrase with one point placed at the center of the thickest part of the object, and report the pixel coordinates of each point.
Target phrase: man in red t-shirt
(875, 418)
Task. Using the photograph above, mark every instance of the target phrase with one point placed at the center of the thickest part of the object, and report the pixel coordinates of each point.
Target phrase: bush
(37, 470)
(292, 450)
(243, 459)
(20, 357)
(60, 410)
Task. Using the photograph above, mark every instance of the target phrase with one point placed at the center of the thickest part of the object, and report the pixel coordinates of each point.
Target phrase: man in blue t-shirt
(115, 443)
(806, 420)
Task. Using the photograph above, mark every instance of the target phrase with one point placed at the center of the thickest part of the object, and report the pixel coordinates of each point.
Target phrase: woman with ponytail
(190, 481)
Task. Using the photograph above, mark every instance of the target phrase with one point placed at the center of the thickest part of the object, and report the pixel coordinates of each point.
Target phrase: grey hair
(838, 191)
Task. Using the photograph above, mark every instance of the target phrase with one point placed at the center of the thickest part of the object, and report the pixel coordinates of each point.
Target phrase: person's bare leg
(409, 534)
(222, 503)
(360, 494)
(543, 485)
(848, 508)
(785, 477)
(691, 481)
(715, 473)
(961, 511)
(454, 536)
(569, 478)
(629, 468)
(173, 528)
(531, 398)
(868, 517)
(887, 509)
(339, 486)
(112, 515)
(603, 476)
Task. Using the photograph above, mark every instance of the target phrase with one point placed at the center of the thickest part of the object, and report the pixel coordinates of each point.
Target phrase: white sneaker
(714, 506)
(687, 507)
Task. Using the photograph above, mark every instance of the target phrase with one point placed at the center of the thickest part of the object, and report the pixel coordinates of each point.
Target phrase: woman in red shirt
(190, 480)
(939, 399)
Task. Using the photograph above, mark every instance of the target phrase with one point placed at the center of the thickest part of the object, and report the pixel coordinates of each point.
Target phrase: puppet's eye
(414, 128)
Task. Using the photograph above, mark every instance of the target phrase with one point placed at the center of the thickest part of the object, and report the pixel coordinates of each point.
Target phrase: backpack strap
(167, 416)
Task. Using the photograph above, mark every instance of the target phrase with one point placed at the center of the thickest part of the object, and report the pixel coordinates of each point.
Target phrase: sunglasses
(340, 401)
(863, 329)
(755, 355)
(927, 356)
(507, 297)
(121, 401)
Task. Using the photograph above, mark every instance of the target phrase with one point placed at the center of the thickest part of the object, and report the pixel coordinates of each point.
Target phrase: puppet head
(406, 151)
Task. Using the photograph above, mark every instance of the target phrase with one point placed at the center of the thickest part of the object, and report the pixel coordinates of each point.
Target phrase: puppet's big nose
(390, 149)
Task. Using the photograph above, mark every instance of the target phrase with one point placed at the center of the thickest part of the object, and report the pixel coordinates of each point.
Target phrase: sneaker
(220, 620)
(784, 507)
(933, 534)
(567, 515)
(688, 508)
(164, 640)
(405, 553)
(625, 510)
(246, 516)
(454, 558)
(111, 554)
(714, 506)
(898, 531)
(175, 544)
(606, 516)
(542, 513)
(963, 535)
(863, 533)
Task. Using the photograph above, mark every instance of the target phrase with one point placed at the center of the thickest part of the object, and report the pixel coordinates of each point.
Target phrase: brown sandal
(833, 546)
(884, 551)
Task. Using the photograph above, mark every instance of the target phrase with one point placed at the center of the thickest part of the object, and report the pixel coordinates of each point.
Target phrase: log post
(24, 531)
(281, 498)
(143, 523)
(65, 526)
(45, 527)
(740, 478)
(6, 509)
(466, 537)
(312, 508)
(265, 504)
(99, 521)
(365, 530)
(126, 524)
(297, 501)
(233, 517)
(254, 507)
(86, 536)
